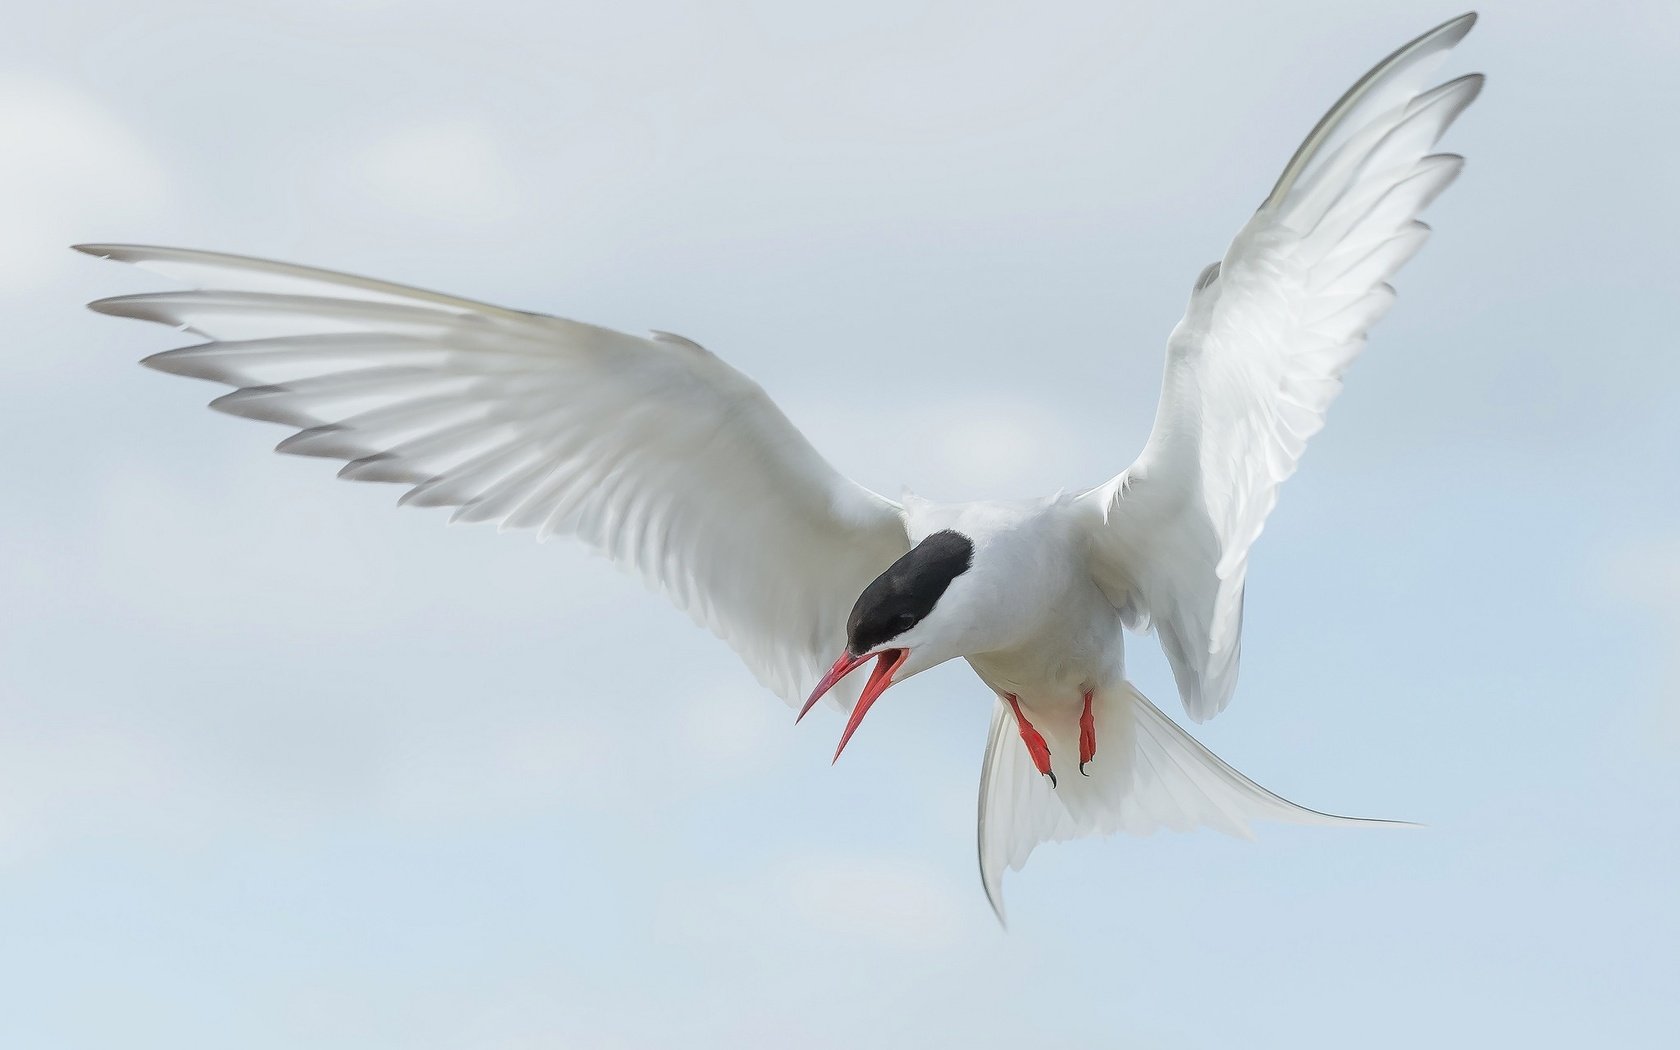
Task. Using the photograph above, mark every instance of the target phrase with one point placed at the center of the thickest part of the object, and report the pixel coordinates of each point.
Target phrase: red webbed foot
(1036, 747)
(1087, 735)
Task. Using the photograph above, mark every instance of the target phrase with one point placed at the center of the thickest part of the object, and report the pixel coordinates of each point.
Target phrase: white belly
(1077, 647)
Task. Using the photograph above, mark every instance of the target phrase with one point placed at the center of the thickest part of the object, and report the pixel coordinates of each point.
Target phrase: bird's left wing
(651, 451)
(1259, 356)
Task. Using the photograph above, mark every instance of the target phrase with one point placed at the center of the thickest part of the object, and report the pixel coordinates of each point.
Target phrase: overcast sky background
(282, 766)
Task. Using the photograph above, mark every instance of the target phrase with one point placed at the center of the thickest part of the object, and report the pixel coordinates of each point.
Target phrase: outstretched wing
(652, 451)
(1259, 356)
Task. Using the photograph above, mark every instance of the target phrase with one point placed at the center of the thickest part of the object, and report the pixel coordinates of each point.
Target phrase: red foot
(1087, 734)
(1036, 747)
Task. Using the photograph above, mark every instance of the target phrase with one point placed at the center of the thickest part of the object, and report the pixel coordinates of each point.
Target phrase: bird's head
(900, 622)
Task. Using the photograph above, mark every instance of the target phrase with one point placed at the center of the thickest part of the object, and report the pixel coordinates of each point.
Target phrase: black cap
(903, 595)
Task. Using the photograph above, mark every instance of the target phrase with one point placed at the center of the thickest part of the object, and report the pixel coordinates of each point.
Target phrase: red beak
(879, 679)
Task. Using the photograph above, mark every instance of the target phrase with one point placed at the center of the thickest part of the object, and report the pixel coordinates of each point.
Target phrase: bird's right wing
(652, 451)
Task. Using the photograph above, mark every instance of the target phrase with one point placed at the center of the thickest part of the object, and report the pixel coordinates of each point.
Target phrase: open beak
(879, 679)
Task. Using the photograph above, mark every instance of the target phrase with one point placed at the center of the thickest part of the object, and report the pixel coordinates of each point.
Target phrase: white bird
(679, 468)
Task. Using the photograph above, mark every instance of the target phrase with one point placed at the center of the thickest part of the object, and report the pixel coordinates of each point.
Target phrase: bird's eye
(904, 621)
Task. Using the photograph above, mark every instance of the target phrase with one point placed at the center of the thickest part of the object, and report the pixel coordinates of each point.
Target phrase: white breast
(1035, 623)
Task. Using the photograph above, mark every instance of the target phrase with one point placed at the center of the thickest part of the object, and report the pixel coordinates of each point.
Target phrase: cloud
(73, 169)
(728, 732)
(980, 446)
(453, 171)
(1000, 445)
(258, 625)
(452, 771)
(67, 778)
(1646, 575)
(895, 901)
(1647, 572)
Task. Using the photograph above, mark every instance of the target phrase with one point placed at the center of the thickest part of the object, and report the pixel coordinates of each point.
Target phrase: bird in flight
(659, 455)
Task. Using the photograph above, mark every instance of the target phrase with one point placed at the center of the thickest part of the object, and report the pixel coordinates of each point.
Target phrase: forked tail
(1148, 774)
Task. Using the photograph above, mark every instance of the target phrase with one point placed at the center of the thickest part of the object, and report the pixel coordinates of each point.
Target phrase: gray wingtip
(1462, 24)
(139, 307)
(127, 252)
(1444, 36)
(169, 362)
(994, 893)
(997, 909)
(1452, 31)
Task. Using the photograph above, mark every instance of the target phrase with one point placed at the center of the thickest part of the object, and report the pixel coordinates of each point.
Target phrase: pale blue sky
(282, 766)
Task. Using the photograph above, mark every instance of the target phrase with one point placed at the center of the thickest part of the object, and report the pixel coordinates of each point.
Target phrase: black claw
(1052, 777)
(1082, 772)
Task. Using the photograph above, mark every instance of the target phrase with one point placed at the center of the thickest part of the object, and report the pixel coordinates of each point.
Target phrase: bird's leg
(1036, 747)
(1087, 734)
